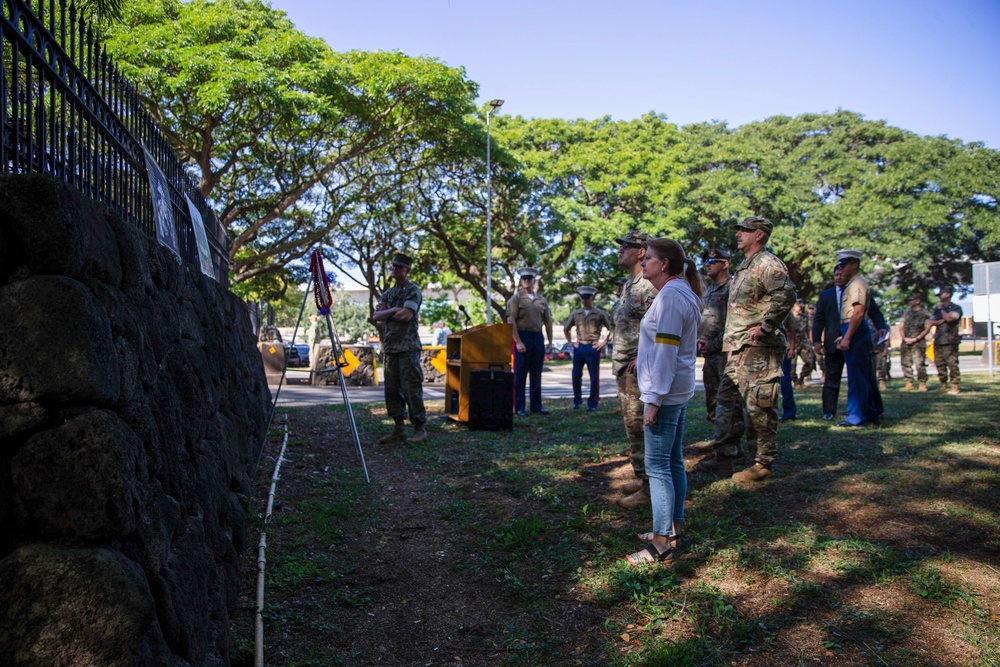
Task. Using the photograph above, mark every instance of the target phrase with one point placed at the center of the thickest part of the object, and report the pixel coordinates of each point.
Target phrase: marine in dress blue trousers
(787, 389)
(529, 363)
(586, 355)
(861, 407)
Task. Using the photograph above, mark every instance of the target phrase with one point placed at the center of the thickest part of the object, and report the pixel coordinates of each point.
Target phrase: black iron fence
(65, 110)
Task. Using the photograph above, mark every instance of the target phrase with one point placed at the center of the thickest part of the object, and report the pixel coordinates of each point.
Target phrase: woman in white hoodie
(668, 341)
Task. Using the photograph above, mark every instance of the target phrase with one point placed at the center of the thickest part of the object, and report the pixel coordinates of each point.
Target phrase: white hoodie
(668, 345)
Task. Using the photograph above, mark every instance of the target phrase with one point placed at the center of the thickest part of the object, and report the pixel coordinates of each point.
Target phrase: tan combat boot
(881, 385)
(923, 387)
(717, 465)
(908, 386)
(398, 434)
(943, 388)
(419, 434)
(954, 389)
(755, 473)
(637, 499)
(631, 486)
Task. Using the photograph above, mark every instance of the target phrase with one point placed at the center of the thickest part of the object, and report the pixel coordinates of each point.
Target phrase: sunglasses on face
(714, 261)
(631, 245)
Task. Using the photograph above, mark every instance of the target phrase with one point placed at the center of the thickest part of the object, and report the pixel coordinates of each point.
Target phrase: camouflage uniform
(946, 340)
(635, 299)
(761, 294)
(910, 356)
(803, 347)
(818, 359)
(713, 326)
(401, 372)
(880, 351)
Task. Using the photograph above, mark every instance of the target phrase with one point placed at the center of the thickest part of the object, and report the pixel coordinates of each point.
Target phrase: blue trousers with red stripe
(586, 355)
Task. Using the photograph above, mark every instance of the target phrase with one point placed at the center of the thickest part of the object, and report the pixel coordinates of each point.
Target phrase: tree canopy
(285, 134)
(296, 144)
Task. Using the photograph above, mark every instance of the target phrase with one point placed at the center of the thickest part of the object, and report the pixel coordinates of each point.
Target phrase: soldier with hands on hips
(588, 322)
(760, 299)
(946, 340)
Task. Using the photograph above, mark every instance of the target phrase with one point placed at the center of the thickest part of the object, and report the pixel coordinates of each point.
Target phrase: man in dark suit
(826, 331)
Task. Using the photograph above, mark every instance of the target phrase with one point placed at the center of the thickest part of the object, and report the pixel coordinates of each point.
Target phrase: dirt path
(870, 547)
(378, 575)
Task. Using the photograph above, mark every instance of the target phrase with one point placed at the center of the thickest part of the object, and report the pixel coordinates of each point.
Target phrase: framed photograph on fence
(204, 254)
(163, 213)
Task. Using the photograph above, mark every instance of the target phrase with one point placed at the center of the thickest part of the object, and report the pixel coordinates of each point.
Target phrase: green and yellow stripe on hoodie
(668, 339)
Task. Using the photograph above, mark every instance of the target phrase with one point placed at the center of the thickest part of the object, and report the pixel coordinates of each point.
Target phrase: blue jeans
(586, 355)
(665, 467)
(787, 390)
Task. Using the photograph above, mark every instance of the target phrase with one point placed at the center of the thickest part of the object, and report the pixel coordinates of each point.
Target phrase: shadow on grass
(869, 546)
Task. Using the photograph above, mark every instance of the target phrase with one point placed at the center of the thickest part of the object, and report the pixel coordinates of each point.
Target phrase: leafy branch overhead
(367, 153)
(275, 123)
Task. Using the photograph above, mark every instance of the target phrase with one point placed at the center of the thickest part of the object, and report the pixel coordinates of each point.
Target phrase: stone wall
(132, 410)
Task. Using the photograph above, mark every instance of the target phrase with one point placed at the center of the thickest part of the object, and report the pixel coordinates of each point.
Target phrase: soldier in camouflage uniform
(402, 376)
(946, 339)
(913, 346)
(713, 325)
(760, 298)
(880, 357)
(636, 296)
(803, 349)
(819, 359)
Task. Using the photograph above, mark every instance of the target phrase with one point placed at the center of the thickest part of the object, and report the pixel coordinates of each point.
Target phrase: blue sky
(928, 67)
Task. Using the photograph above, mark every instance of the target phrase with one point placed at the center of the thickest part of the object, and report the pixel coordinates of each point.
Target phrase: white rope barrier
(262, 561)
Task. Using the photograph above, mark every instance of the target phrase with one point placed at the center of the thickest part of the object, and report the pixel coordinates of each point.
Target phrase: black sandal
(673, 540)
(649, 555)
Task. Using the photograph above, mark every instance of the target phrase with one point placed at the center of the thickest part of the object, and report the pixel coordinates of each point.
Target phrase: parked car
(297, 355)
(560, 353)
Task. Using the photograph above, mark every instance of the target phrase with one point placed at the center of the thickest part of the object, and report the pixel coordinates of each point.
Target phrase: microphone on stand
(468, 318)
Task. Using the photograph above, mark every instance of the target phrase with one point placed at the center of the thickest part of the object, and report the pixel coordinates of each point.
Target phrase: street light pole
(494, 105)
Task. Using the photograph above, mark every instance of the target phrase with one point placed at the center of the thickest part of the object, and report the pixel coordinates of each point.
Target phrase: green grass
(859, 531)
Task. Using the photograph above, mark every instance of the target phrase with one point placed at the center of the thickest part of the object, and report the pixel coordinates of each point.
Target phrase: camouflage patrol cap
(399, 259)
(717, 253)
(634, 238)
(944, 289)
(914, 296)
(755, 222)
(586, 291)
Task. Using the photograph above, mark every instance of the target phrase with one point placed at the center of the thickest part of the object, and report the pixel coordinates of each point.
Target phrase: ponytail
(693, 277)
(673, 252)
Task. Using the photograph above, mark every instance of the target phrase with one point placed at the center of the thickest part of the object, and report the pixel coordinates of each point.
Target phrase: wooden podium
(475, 349)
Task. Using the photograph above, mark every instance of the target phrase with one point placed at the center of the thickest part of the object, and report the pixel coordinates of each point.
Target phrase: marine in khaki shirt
(589, 322)
(529, 312)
